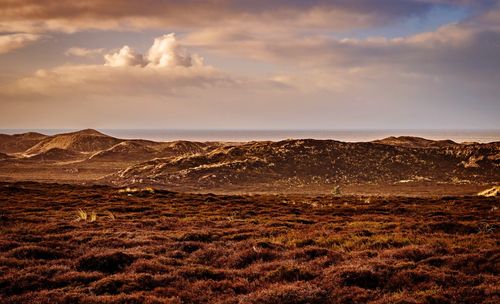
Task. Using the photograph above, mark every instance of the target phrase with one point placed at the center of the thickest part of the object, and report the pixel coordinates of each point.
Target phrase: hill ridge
(318, 161)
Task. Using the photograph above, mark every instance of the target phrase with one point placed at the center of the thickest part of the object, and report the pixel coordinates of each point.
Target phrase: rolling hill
(296, 162)
(56, 154)
(86, 141)
(126, 151)
(286, 164)
(415, 142)
(19, 142)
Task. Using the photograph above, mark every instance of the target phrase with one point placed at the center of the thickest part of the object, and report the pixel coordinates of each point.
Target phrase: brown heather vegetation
(166, 247)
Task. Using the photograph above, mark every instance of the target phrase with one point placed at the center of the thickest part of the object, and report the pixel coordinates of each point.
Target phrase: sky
(259, 64)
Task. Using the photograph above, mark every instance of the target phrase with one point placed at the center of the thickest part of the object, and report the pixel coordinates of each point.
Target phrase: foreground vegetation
(73, 244)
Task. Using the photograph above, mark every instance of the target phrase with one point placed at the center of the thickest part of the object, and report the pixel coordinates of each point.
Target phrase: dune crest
(81, 141)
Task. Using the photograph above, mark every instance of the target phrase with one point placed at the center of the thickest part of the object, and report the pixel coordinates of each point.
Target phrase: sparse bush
(452, 228)
(35, 252)
(108, 262)
(312, 253)
(244, 258)
(361, 278)
(125, 283)
(149, 266)
(111, 216)
(407, 279)
(202, 273)
(289, 273)
(202, 236)
(290, 294)
(337, 191)
(139, 191)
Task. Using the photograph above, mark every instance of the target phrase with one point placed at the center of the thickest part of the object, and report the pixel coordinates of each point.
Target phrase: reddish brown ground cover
(166, 247)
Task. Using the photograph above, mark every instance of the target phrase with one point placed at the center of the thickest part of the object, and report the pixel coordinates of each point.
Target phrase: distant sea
(482, 136)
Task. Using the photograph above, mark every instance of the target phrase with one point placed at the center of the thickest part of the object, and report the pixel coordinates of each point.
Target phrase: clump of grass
(130, 191)
(337, 191)
(83, 215)
(111, 216)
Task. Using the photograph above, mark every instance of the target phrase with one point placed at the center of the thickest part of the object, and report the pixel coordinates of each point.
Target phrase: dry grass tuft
(491, 192)
(84, 216)
(128, 190)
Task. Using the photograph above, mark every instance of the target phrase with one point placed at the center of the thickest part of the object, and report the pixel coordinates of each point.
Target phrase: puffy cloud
(82, 52)
(124, 57)
(165, 52)
(11, 42)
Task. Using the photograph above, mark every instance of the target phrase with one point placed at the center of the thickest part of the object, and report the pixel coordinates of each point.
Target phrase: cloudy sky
(259, 64)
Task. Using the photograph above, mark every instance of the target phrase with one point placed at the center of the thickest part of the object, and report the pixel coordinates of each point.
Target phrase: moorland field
(166, 247)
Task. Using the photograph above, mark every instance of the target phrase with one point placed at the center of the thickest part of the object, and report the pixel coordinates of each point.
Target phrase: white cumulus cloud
(164, 53)
(126, 56)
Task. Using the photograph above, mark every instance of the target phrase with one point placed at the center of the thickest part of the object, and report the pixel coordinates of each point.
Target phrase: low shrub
(361, 278)
(36, 252)
(247, 257)
(288, 293)
(109, 262)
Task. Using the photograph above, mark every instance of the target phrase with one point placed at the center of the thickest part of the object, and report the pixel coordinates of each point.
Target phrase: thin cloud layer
(83, 52)
(466, 51)
(11, 42)
(70, 16)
